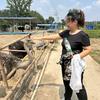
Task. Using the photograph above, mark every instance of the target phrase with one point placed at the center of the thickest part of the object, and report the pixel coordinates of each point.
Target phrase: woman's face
(71, 24)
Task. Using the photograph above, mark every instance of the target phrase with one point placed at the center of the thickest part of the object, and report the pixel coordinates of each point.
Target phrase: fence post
(3, 75)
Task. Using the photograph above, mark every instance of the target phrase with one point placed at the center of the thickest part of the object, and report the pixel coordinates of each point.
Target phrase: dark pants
(82, 95)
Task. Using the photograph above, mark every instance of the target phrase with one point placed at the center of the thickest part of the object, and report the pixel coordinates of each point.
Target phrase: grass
(93, 33)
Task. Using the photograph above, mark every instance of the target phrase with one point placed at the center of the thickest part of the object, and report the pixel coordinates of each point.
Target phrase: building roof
(17, 18)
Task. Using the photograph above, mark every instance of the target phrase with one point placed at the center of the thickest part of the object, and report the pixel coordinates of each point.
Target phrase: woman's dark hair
(76, 14)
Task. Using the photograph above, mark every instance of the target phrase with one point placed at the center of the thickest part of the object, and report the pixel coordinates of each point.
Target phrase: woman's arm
(48, 37)
(86, 51)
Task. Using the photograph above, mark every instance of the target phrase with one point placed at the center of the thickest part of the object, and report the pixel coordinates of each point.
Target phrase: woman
(79, 43)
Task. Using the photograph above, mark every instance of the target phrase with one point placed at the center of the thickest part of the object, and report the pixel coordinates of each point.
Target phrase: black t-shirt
(77, 41)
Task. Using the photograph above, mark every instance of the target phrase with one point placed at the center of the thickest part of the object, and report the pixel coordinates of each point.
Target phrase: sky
(59, 8)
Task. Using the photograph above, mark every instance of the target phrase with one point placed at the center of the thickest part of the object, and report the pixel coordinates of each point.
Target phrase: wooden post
(3, 76)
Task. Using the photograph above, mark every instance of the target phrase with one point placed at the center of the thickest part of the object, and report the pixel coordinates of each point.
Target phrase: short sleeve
(63, 34)
(85, 40)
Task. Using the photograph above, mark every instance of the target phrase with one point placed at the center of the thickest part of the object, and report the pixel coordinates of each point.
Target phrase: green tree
(39, 17)
(19, 7)
(4, 23)
(50, 20)
(4, 13)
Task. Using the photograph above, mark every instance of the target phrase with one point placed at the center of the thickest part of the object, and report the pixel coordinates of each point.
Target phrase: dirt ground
(6, 39)
(92, 73)
(52, 85)
(95, 43)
